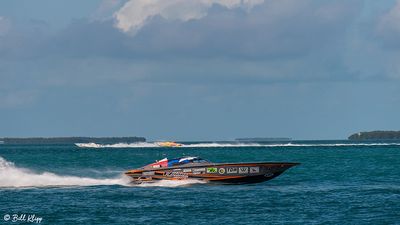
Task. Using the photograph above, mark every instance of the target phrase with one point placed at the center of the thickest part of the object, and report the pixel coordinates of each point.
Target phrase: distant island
(261, 139)
(71, 140)
(375, 135)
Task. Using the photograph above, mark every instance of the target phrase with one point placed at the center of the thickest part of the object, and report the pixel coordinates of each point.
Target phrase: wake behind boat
(88, 145)
(196, 168)
(166, 144)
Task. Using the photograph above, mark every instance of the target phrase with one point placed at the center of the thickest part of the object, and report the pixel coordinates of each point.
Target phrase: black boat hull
(230, 173)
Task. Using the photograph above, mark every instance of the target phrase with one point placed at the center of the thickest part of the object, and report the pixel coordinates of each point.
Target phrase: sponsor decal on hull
(221, 170)
(243, 170)
(232, 170)
(212, 170)
(254, 169)
(199, 169)
(187, 170)
(268, 174)
(175, 174)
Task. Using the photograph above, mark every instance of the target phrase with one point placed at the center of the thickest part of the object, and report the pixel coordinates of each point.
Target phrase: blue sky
(199, 70)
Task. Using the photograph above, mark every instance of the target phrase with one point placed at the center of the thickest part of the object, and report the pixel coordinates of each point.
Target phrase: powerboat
(185, 168)
(168, 144)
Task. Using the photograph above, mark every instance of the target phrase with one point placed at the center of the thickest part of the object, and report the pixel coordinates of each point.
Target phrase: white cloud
(105, 10)
(135, 13)
(390, 22)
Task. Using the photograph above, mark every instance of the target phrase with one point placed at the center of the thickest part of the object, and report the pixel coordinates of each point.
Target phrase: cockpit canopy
(176, 162)
(185, 160)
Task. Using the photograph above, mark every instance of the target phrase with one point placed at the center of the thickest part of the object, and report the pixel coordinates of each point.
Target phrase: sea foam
(12, 176)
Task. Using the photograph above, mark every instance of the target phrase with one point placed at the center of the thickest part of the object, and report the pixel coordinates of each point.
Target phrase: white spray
(12, 176)
(16, 177)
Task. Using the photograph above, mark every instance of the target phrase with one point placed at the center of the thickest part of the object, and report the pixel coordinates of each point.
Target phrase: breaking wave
(230, 145)
(12, 176)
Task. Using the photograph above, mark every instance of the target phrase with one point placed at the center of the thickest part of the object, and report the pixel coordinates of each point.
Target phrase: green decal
(211, 170)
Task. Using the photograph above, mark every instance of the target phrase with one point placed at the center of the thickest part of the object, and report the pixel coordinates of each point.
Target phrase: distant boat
(168, 144)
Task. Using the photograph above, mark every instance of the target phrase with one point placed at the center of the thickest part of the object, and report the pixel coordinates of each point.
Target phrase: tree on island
(375, 135)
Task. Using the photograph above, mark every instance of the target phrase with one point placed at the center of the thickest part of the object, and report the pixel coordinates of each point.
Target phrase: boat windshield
(176, 162)
(185, 160)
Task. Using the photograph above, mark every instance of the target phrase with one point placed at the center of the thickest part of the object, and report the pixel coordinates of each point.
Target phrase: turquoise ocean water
(336, 183)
